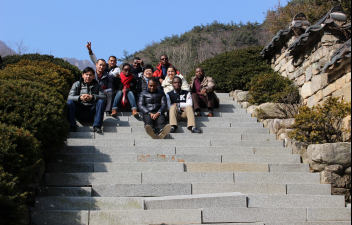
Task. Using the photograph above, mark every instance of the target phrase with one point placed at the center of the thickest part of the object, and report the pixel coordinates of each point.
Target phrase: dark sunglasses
(164, 59)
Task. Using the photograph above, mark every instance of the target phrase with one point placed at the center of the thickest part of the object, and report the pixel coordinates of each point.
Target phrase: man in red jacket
(161, 68)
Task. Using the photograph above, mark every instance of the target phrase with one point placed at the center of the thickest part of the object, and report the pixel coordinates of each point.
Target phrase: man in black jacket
(86, 101)
(152, 104)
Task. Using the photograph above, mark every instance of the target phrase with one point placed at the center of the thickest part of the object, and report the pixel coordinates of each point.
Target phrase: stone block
(348, 78)
(307, 90)
(318, 54)
(323, 155)
(300, 80)
(209, 188)
(311, 101)
(60, 217)
(309, 223)
(329, 38)
(347, 92)
(166, 143)
(141, 190)
(338, 94)
(218, 200)
(214, 150)
(329, 89)
(316, 68)
(289, 168)
(278, 124)
(319, 82)
(340, 82)
(308, 189)
(180, 158)
(285, 74)
(181, 178)
(94, 158)
(226, 167)
(253, 215)
(145, 217)
(66, 191)
(70, 167)
(278, 178)
(309, 73)
(138, 167)
(228, 143)
(319, 96)
(273, 151)
(290, 68)
(88, 203)
(329, 214)
(266, 159)
(86, 179)
(298, 201)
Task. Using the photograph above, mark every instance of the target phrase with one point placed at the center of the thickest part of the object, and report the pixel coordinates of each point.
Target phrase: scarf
(126, 81)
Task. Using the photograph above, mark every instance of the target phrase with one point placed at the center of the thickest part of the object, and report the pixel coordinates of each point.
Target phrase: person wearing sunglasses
(161, 68)
(129, 83)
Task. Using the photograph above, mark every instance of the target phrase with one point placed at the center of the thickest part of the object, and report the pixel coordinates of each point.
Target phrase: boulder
(251, 109)
(245, 105)
(301, 149)
(347, 92)
(270, 110)
(242, 96)
(267, 122)
(323, 155)
(278, 124)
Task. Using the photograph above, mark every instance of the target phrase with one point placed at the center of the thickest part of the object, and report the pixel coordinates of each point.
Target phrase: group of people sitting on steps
(139, 86)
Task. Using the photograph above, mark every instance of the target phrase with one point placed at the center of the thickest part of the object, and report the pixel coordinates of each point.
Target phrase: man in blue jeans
(86, 101)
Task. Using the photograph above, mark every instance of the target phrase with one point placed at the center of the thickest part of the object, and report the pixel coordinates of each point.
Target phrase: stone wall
(316, 58)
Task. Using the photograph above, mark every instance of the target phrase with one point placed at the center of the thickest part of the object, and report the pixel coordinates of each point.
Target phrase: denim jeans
(118, 98)
(96, 113)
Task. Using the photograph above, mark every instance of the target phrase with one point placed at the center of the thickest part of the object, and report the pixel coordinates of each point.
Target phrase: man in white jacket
(180, 107)
(112, 68)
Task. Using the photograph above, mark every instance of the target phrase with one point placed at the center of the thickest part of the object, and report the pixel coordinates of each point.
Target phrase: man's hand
(203, 92)
(89, 47)
(154, 116)
(161, 80)
(182, 110)
(86, 97)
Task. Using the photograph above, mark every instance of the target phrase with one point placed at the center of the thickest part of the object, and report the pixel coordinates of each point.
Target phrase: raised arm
(93, 58)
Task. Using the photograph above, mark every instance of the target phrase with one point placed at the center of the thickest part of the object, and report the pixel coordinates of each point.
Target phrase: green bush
(12, 200)
(20, 152)
(38, 57)
(42, 72)
(272, 87)
(321, 124)
(234, 70)
(37, 108)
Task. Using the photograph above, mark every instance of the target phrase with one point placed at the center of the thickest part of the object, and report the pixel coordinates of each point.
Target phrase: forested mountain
(202, 42)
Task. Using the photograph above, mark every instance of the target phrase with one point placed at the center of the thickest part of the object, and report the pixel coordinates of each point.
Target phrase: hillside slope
(202, 42)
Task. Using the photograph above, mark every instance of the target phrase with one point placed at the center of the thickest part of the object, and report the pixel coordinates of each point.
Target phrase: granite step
(220, 200)
(65, 191)
(88, 203)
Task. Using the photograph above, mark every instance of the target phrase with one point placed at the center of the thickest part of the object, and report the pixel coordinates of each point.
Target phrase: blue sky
(62, 27)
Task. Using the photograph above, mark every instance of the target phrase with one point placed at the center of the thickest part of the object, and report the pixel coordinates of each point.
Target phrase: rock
(267, 122)
(346, 126)
(301, 149)
(278, 124)
(348, 171)
(307, 90)
(245, 105)
(323, 155)
(243, 96)
(338, 169)
(235, 94)
(275, 111)
(309, 73)
(334, 179)
(319, 82)
(347, 92)
(329, 89)
(342, 191)
(330, 38)
(251, 109)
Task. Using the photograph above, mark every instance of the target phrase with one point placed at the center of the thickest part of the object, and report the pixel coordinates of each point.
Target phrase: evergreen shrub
(234, 70)
(12, 199)
(272, 87)
(321, 124)
(40, 71)
(12, 59)
(37, 108)
(20, 152)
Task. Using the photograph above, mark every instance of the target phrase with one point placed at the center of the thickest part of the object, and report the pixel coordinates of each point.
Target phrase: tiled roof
(342, 53)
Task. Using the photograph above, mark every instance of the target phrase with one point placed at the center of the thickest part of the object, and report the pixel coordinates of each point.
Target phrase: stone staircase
(235, 172)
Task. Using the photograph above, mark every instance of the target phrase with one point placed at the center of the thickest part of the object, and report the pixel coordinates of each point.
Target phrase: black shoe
(108, 113)
(173, 129)
(73, 129)
(98, 130)
(196, 131)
